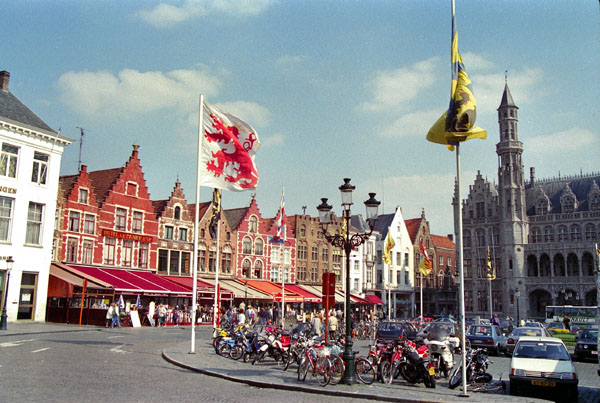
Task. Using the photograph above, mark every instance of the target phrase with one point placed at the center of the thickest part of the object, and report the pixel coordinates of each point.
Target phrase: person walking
(567, 322)
(115, 316)
(109, 315)
(333, 325)
(241, 318)
(162, 315)
(494, 320)
(317, 324)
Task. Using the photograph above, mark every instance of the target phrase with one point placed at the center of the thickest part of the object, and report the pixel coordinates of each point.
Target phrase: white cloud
(396, 88)
(133, 92)
(574, 139)
(291, 60)
(274, 140)
(523, 86)
(167, 15)
(250, 112)
(412, 124)
(475, 62)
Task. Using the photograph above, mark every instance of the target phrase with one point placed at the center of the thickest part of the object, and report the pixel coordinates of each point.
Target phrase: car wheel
(572, 394)
(514, 390)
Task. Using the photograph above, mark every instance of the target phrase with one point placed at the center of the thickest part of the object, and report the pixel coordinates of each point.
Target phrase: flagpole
(459, 247)
(421, 294)
(282, 285)
(197, 208)
(216, 303)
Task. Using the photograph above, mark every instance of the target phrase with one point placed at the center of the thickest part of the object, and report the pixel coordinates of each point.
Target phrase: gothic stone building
(541, 234)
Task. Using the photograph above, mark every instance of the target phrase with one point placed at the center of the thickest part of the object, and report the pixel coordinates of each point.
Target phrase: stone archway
(567, 296)
(538, 300)
(587, 264)
(572, 265)
(559, 265)
(545, 267)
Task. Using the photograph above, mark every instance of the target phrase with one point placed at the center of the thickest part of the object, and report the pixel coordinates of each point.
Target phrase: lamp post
(4, 316)
(348, 242)
(517, 295)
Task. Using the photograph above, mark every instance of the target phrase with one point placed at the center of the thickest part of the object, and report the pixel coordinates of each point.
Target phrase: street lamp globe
(9, 264)
(346, 190)
(372, 206)
(324, 211)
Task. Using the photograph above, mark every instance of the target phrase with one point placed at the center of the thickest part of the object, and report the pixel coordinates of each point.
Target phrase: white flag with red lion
(228, 148)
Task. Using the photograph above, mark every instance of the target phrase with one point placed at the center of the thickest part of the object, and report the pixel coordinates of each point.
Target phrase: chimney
(451, 237)
(83, 168)
(4, 79)
(135, 150)
(532, 176)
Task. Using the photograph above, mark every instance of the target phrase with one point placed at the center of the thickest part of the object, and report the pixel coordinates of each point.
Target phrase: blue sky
(334, 89)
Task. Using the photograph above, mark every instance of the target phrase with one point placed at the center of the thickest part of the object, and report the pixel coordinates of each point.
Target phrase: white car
(543, 364)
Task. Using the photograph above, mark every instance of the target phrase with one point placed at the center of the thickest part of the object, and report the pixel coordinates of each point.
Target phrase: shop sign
(9, 190)
(125, 235)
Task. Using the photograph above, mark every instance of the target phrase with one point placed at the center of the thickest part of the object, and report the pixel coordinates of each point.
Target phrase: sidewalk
(269, 375)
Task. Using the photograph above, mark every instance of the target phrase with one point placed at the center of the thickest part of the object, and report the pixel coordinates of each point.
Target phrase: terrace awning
(374, 299)
(205, 290)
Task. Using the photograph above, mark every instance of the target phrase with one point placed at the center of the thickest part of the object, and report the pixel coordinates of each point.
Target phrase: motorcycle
(477, 363)
(417, 367)
(441, 348)
(276, 347)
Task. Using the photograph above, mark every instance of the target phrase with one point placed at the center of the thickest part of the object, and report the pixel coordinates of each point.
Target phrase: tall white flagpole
(195, 254)
(216, 304)
(459, 244)
(421, 293)
(282, 286)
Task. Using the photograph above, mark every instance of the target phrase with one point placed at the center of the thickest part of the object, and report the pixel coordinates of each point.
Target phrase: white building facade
(397, 279)
(29, 170)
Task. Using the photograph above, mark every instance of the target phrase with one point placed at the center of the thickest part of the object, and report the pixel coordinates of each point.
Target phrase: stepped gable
(235, 216)
(159, 206)
(191, 210)
(103, 181)
(554, 188)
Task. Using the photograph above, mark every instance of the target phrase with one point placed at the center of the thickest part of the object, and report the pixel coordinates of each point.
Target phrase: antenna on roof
(81, 129)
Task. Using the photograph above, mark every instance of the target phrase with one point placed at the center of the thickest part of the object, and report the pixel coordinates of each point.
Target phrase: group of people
(334, 320)
(249, 315)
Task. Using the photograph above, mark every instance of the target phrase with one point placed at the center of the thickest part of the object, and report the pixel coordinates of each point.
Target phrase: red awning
(274, 290)
(359, 300)
(308, 296)
(134, 281)
(204, 289)
(374, 299)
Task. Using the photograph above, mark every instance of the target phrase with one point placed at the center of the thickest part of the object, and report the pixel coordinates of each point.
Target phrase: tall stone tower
(511, 196)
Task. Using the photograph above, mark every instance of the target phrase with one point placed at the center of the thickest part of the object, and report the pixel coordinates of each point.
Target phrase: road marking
(118, 349)
(14, 343)
(41, 349)
(114, 337)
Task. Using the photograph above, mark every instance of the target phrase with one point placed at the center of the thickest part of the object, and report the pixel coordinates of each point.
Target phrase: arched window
(536, 235)
(594, 201)
(258, 269)
(246, 268)
(575, 232)
(532, 266)
(480, 234)
(467, 238)
(494, 239)
(247, 246)
(559, 265)
(202, 257)
(253, 224)
(590, 232)
(587, 264)
(572, 265)
(568, 205)
(541, 206)
(258, 246)
(563, 235)
(548, 234)
(177, 213)
(544, 265)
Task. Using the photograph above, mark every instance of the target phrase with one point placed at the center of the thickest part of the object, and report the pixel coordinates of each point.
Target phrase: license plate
(431, 371)
(543, 383)
(477, 341)
(594, 353)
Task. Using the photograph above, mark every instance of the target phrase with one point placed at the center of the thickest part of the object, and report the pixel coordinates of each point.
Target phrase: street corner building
(29, 171)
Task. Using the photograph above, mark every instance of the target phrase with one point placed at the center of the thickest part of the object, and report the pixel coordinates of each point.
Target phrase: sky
(334, 89)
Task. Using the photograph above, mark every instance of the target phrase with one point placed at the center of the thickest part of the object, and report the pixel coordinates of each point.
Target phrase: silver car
(518, 332)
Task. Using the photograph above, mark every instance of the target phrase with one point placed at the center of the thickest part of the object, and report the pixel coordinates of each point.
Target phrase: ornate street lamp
(4, 316)
(517, 295)
(348, 242)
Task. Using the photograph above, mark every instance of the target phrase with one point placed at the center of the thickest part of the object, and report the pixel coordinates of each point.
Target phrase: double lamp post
(347, 242)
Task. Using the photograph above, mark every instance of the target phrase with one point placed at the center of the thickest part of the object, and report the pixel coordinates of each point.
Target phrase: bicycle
(319, 366)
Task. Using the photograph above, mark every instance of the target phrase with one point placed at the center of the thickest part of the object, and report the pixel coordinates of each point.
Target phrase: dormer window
(83, 196)
(568, 205)
(177, 213)
(541, 207)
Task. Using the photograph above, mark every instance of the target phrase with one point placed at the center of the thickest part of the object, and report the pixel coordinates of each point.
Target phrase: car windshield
(391, 326)
(588, 334)
(555, 325)
(439, 332)
(480, 331)
(527, 332)
(541, 350)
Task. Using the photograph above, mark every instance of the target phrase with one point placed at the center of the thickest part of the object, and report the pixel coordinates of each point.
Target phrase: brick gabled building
(175, 234)
(106, 218)
(282, 257)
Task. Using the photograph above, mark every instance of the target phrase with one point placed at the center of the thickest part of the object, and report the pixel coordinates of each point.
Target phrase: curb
(267, 385)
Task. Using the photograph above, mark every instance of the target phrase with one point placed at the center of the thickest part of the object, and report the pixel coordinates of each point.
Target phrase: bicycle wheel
(236, 352)
(224, 350)
(364, 371)
(323, 366)
(386, 372)
(337, 370)
(303, 369)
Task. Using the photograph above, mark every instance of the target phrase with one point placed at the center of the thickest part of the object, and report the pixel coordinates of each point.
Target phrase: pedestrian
(316, 324)
(115, 316)
(109, 315)
(567, 322)
(333, 325)
(494, 320)
(275, 314)
(162, 315)
(241, 318)
(176, 316)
